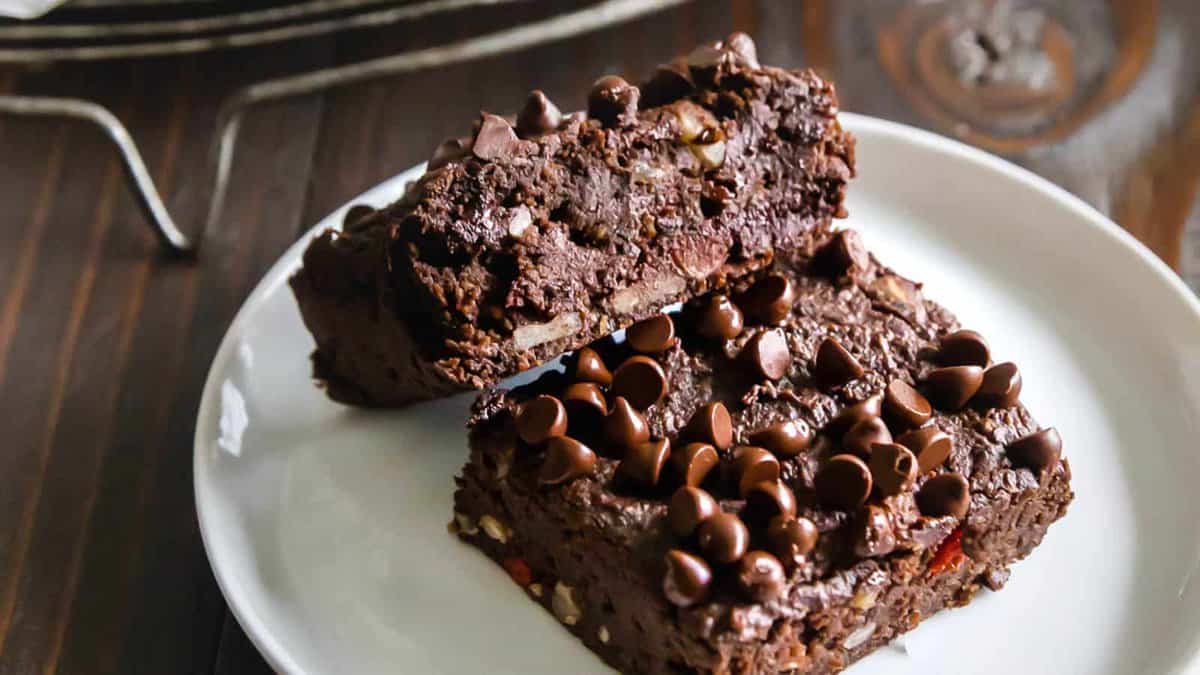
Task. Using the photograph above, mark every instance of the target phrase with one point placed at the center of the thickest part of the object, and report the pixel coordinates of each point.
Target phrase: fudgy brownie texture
(778, 479)
(535, 236)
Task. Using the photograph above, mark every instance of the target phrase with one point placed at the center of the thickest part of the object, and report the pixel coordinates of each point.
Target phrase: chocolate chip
(844, 254)
(784, 439)
(705, 57)
(861, 437)
(566, 459)
(495, 140)
(770, 300)
(584, 399)
(760, 576)
(354, 215)
(790, 539)
(1001, 386)
(613, 100)
(964, 348)
(905, 407)
(874, 534)
(853, 414)
(751, 465)
(719, 318)
(1038, 451)
(930, 444)
(640, 380)
(893, 468)
(448, 151)
(670, 82)
(843, 482)
(723, 538)
(768, 499)
(946, 494)
(643, 462)
(589, 367)
(834, 366)
(539, 116)
(742, 46)
(688, 579)
(652, 336)
(625, 427)
(693, 462)
(768, 354)
(689, 507)
(711, 424)
(541, 419)
(950, 388)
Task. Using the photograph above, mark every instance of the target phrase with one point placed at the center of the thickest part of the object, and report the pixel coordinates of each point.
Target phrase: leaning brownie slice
(781, 478)
(528, 239)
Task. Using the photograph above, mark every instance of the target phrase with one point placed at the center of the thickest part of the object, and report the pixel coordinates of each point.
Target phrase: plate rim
(249, 617)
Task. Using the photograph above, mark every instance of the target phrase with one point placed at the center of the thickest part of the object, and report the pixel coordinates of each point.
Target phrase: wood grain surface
(105, 342)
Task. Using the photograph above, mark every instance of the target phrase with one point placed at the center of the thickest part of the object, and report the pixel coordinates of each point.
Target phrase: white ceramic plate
(326, 527)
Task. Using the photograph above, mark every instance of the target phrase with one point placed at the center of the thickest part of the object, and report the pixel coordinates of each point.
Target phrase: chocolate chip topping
(723, 538)
(751, 465)
(768, 354)
(585, 399)
(718, 318)
(946, 494)
(1038, 451)
(496, 139)
(760, 576)
(873, 534)
(670, 82)
(693, 462)
(539, 116)
(904, 407)
(711, 424)
(784, 439)
(964, 348)
(743, 47)
(541, 419)
(689, 507)
(790, 539)
(640, 380)
(844, 254)
(625, 427)
(566, 459)
(652, 336)
(355, 214)
(643, 462)
(950, 388)
(589, 367)
(613, 100)
(834, 366)
(1001, 386)
(930, 444)
(861, 437)
(853, 414)
(688, 579)
(768, 499)
(711, 62)
(843, 482)
(448, 151)
(893, 468)
(770, 300)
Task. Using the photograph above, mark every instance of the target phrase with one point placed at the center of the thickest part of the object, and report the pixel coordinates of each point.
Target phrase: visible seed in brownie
(538, 116)
(711, 424)
(566, 604)
(586, 407)
(448, 151)
(613, 100)
(946, 494)
(760, 576)
(834, 366)
(1001, 386)
(751, 465)
(904, 407)
(689, 507)
(963, 348)
(718, 318)
(790, 539)
(768, 354)
(652, 336)
(693, 462)
(641, 380)
(784, 439)
(950, 388)
(767, 500)
(711, 155)
(843, 482)
(853, 414)
(861, 437)
(843, 254)
(930, 444)
(670, 82)
(893, 468)
(1037, 451)
(566, 459)
(496, 139)
(688, 579)
(723, 538)
(643, 462)
(625, 427)
(589, 367)
(540, 419)
(495, 529)
(770, 300)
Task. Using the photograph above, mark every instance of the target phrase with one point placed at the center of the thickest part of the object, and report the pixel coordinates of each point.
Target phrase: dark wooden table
(105, 342)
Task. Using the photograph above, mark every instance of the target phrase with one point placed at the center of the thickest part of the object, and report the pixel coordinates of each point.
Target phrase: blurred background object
(237, 124)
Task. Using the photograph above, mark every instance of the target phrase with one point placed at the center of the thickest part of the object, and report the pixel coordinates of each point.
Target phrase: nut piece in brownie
(535, 235)
(783, 477)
